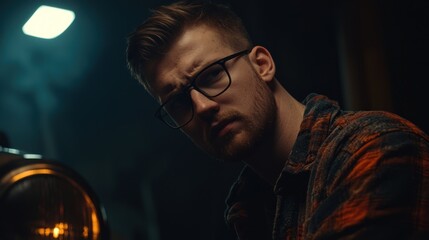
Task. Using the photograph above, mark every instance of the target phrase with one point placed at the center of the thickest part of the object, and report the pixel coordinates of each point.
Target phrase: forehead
(193, 49)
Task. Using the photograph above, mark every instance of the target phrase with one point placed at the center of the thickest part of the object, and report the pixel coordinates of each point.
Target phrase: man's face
(229, 126)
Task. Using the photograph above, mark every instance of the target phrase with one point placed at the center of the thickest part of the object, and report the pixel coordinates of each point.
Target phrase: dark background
(72, 99)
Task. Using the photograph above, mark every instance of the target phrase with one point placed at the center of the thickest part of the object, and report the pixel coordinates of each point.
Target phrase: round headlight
(45, 199)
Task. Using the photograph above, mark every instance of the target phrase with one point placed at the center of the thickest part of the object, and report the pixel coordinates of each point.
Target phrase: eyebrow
(170, 91)
(200, 66)
(195, 68)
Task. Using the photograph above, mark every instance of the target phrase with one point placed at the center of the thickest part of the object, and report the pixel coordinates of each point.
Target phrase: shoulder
(368, 140)
(373, 169)
(361, 127)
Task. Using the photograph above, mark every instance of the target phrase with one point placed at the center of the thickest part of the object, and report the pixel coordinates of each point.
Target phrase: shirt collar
(318, 116)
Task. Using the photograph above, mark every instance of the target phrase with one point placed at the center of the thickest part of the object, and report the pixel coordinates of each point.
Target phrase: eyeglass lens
(210, 82)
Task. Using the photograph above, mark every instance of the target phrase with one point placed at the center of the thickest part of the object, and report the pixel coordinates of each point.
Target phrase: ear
(263, 63)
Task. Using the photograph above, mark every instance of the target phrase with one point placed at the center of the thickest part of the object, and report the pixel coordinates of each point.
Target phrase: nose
(204, 107)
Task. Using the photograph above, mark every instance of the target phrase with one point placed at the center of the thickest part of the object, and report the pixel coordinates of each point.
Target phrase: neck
(269, 160)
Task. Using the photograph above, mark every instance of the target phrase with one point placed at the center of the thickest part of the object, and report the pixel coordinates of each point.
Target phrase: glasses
(211, 81)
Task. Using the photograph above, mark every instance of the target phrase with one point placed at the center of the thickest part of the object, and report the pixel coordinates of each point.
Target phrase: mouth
(222, 128)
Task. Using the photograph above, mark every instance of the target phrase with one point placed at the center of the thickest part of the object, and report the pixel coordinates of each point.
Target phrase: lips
(218, 129)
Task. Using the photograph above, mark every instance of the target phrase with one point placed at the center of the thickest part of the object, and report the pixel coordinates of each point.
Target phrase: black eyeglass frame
(187, 88)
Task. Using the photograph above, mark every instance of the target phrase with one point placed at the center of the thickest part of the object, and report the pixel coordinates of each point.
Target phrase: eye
(210, 76)
(177, 104)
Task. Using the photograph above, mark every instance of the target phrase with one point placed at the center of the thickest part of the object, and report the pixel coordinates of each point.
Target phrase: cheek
(243, 91)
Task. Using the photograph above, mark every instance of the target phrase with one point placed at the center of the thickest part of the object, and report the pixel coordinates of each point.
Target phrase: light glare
(48, 22)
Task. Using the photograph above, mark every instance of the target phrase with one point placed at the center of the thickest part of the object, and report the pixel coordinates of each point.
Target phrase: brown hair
(154, 36)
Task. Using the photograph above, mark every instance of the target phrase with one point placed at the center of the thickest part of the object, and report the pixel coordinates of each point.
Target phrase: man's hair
(152, 39)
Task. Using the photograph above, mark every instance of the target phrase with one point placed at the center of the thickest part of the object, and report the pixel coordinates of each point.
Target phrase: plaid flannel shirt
(350, 175)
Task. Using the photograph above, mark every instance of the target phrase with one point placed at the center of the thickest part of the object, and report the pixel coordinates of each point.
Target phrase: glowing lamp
(48, 22)
(46, 200)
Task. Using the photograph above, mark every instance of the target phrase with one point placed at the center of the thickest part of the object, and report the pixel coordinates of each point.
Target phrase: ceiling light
(48, 22)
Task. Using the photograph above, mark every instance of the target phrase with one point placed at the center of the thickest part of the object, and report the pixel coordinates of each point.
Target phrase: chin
(234, 148)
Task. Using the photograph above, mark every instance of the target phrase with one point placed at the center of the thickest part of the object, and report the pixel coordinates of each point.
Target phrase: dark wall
(386, 50)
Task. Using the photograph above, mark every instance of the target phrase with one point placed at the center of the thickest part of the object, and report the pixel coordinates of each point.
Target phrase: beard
(257, 129)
